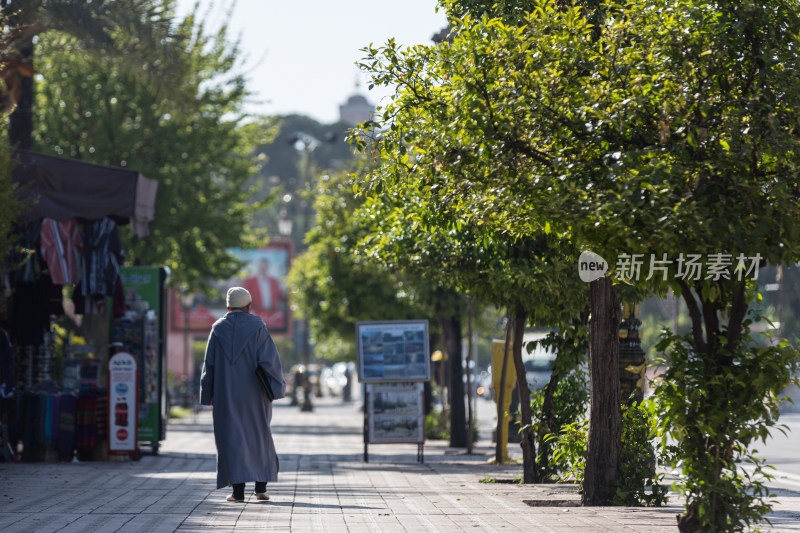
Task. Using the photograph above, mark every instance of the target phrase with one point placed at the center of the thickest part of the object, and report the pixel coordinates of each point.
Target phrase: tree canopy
(198, 148)
(662, 128)
(334, 287)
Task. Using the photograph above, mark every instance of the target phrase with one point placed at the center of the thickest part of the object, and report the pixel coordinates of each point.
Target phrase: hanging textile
(102, 257)
(86, 423)
(62, 247)
(29, 316)
(7, 383)
(68, 405)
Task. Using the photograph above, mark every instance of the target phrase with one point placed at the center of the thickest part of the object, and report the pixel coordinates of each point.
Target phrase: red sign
(264, 276)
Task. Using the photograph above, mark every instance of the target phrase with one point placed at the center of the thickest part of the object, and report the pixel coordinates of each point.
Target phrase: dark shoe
(238, 493)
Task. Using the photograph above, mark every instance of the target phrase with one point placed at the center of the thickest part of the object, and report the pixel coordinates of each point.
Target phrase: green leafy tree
(191, 138)
(137, 32)
(334, 287)
(10, 206)
(463, 241)
(662, 129)
(443, 242)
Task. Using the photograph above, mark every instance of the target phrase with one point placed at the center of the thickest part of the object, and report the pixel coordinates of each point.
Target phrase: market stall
(63, 295)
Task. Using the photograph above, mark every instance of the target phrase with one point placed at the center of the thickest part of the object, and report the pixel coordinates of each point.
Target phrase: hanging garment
(86, 423)
(102, 257)
(6, 366)
(62, 246)
(145, 208)
(66, 425)
(25, 265)
(29, 316)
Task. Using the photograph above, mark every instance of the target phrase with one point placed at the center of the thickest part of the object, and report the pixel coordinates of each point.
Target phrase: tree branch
(694, 314)
(738, 312)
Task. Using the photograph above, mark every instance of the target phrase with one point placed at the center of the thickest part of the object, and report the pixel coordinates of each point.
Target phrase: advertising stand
(141, 333)
(123, 423)
(393, 362)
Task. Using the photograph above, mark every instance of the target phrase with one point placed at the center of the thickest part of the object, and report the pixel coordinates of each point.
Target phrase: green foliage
(334, 287)
(110, 27)
(569, 451)
(571, 398)
(10, 206)
(570, 401)
(437, 426)
(191, 137)
(638, 459)
(714, 412)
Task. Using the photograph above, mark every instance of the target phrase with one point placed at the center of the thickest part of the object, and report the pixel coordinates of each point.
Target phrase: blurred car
(335, 378)
(537, 372)
(538, 365)
(485, 384)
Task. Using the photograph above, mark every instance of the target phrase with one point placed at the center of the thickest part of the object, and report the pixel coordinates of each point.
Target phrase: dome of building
(356, 110)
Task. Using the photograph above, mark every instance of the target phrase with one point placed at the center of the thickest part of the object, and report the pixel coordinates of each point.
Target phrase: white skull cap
(238, 297)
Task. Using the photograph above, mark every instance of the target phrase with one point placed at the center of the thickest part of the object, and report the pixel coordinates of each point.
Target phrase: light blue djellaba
(242, 413)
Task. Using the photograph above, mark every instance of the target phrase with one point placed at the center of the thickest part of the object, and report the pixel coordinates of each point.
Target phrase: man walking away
(242, 413)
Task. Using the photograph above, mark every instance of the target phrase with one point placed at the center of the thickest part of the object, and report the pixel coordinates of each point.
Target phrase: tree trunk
(605, 419)
(502, 426)
(449, 315)
(20, 122)
(528, 439)
(546, 425)
(469, 377)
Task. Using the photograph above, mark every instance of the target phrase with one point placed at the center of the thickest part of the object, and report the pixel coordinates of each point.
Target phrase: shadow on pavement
(295, 504)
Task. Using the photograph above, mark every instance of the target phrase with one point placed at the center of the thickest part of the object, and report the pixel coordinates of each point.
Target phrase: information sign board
(393, 351)
(395, 412)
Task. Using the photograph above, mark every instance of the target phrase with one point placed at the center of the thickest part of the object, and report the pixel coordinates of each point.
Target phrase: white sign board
(122, 404)
(395, 412)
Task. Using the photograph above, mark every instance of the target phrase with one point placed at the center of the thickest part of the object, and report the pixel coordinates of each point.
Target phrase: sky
(301, 55)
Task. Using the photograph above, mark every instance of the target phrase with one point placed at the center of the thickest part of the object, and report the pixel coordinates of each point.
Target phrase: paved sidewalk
(324, 485)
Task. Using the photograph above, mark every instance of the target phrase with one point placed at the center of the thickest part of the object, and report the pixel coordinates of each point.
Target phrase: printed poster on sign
(395, 412)
(122, 402)
(393, 351)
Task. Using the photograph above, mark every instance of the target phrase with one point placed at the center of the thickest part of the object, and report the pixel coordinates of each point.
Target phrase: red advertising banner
(264, 276)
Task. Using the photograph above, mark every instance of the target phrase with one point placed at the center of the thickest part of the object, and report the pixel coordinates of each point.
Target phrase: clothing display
(52, 402)
(7, 381)
(102, 257)
(44, 421)
(62, 246)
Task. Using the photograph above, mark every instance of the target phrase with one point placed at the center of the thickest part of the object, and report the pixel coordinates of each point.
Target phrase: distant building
(356, 110)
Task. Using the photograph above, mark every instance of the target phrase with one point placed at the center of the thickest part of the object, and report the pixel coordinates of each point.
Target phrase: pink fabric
(62, 247)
